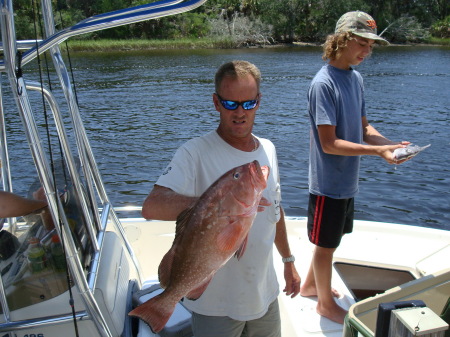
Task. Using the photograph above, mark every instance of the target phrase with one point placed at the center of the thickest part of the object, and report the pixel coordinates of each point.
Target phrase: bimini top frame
(87, 188)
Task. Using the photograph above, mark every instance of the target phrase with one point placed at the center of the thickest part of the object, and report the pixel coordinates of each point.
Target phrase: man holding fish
(219, 183)
(339, 127)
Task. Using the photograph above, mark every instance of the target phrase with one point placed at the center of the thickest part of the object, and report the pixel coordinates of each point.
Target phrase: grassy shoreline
(203, 43)
(142, 44)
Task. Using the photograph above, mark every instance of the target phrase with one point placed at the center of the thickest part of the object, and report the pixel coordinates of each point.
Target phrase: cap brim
(374, 37)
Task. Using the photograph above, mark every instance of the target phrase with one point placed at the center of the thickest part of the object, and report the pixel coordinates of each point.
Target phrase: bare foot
(334, 313)
(312, 291)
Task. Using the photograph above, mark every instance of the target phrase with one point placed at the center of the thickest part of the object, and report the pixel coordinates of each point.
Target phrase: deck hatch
(367, 281)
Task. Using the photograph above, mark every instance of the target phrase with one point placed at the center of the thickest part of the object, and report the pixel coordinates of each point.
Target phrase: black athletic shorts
(329, 219)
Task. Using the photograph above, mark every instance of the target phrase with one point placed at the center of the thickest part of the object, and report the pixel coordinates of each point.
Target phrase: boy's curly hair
(334, 44)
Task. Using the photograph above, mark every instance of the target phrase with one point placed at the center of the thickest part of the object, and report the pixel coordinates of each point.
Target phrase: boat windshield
(32, 258)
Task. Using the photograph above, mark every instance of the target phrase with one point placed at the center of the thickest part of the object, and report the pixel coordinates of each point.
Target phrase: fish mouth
(261, 173)
(258, 182)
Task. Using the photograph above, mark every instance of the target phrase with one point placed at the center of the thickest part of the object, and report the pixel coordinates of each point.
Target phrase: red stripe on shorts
(320, 201)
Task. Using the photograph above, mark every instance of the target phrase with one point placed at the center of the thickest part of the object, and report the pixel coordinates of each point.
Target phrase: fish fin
(155, 312)
(197, 292)
(182, 220)
(228, 239)
(165, 268)
(241, 249)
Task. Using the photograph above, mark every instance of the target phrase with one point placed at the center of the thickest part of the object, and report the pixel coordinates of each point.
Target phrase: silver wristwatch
(288, 259)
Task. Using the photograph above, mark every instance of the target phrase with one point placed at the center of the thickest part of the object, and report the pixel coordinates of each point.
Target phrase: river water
(139, 107)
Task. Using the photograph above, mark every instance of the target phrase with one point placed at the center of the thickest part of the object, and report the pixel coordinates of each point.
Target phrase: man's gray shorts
(222, 326)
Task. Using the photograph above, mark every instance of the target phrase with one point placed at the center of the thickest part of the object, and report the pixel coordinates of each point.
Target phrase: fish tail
(155, 312)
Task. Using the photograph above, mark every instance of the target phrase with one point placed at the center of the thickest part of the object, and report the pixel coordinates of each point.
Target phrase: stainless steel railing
(96, 220)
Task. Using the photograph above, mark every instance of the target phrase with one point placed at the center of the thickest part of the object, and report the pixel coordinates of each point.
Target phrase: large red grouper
(207, 236)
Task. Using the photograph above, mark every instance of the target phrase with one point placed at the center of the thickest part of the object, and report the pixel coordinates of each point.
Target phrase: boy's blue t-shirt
(335, 97)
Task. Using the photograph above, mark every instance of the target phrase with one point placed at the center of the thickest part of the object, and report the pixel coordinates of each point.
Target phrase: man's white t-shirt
(242, 289)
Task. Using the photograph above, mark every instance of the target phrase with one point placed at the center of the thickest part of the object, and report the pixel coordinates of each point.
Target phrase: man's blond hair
(236, 69)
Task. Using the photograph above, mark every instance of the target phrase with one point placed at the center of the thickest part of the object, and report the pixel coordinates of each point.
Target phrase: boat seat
(113, 283)
(179, 324)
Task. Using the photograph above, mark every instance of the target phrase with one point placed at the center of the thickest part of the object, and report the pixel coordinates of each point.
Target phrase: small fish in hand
(206, 237)
(408, 152)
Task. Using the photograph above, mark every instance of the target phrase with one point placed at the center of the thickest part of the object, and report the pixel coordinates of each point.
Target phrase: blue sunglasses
(233, 105)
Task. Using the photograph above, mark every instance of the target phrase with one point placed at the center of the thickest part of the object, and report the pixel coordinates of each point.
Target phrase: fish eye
(236, 175)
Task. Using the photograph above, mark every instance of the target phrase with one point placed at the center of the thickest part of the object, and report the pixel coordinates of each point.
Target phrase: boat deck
(407, 248)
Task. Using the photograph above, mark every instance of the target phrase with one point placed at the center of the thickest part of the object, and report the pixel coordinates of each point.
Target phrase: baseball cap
(361, 24)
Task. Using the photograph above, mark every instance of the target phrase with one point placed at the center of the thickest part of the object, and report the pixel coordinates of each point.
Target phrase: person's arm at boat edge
(291, 276)
(12, 205)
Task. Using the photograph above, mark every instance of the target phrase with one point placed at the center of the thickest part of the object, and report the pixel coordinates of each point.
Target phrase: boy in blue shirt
(339, 129)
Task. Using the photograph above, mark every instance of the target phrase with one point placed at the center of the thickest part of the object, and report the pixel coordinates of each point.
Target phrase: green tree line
(251, 21)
